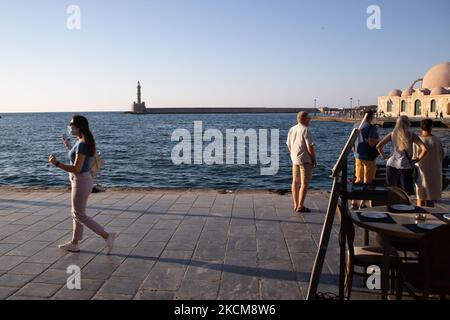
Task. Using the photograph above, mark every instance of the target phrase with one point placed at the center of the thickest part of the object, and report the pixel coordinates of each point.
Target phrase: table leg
(366, 237)
(387, 245)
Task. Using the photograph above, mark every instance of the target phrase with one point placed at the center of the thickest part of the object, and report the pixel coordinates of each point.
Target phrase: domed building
(430, 100)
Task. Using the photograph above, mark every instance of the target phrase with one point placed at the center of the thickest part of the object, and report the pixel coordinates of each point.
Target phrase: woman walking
(81, 155)
(399, 167)
(429, 185)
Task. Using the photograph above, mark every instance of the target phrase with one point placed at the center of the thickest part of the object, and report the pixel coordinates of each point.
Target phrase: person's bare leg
(303, 191)
(359, 174)
(420, 203)
(363, 202)
(295, 189)
(369, 175)
(295, 194)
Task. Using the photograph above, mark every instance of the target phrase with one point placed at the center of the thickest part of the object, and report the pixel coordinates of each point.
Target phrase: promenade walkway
(171, 244)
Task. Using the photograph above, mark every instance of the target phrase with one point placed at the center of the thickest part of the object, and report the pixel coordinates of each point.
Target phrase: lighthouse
(139, 106)
(139, 92)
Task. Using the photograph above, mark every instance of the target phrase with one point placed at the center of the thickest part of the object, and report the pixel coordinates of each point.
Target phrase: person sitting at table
(399, 167)
(429, 184)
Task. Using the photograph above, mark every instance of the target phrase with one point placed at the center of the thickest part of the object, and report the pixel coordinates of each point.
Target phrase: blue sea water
(137, 150)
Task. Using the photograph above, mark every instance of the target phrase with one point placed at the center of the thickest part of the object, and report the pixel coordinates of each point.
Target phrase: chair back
(349, 231)
(435, 259)
(397, 195)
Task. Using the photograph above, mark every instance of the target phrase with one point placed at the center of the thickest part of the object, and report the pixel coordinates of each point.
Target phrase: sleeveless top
(398, 158)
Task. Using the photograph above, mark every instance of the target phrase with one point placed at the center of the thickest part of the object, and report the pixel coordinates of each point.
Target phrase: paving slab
(171, 244)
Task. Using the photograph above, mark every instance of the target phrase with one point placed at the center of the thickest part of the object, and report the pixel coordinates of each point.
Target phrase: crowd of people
(414, 165)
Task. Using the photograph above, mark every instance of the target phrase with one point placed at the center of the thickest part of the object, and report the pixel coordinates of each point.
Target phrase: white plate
(373, 214)
(447, 216)
(403, 207)
(428, 226)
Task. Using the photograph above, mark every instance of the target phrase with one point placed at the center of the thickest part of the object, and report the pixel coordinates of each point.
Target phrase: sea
(138, 150)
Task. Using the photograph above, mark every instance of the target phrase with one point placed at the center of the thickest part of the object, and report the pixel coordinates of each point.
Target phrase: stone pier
(171, 244)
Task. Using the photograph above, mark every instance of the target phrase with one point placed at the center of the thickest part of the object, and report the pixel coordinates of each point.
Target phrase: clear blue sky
(213, 53)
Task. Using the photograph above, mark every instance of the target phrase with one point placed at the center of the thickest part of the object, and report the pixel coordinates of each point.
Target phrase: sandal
(303, 209)
(363, 206)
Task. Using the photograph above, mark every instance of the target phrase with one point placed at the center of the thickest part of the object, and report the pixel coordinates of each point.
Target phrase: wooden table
(391, 232)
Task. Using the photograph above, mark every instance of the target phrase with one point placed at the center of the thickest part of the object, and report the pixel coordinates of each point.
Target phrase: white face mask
(71, 130)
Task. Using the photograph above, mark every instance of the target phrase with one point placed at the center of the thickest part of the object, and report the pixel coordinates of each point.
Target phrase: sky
(249, 53)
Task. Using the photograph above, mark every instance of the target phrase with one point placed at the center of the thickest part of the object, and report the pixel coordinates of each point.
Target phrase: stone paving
(171, 244)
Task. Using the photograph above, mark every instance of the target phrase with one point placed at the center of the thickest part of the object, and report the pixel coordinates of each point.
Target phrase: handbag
(415, 168)
(96, 164)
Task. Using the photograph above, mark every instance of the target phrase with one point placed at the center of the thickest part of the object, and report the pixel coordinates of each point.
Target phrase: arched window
(417, 108)
(403, 106)
(389, 106)
(433, 106)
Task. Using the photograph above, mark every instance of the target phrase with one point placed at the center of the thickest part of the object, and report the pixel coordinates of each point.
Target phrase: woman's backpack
(96, 164)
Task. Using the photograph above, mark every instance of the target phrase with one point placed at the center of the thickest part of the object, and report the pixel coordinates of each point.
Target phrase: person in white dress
(429, 184)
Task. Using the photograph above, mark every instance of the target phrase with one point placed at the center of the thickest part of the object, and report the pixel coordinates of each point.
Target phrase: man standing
(366, 154)
(303, 156)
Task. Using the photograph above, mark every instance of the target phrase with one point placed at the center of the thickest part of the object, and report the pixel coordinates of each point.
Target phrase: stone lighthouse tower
(139, 92)
(139, 106)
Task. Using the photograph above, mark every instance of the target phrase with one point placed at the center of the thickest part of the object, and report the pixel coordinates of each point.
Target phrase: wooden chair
(397, 195)
(362, 256)
(380, 176)
(409, 249)
(430, 276)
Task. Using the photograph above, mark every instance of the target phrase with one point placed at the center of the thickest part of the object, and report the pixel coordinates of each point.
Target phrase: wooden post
(324, 239)
(339, 190)
(343, 230)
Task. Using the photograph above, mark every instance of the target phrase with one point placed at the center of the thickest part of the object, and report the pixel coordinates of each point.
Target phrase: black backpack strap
(409, 158)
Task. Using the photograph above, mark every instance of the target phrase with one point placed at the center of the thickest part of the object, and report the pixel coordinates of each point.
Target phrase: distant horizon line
(154, 107)
(183, 107)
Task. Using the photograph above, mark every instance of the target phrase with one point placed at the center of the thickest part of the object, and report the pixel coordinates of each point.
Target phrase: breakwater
(385, 122)
(200, 110)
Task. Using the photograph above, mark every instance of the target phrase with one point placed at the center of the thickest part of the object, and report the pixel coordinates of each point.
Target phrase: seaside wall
(226, 110)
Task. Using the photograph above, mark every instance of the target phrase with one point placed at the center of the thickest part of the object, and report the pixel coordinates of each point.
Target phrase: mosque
(431, 100)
